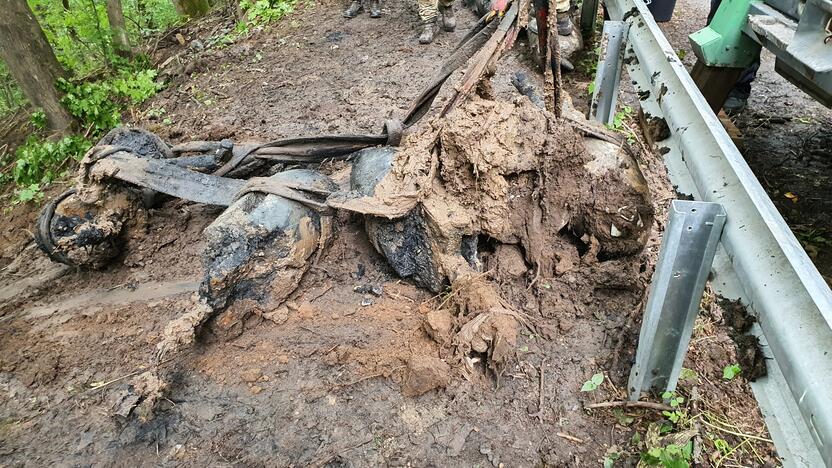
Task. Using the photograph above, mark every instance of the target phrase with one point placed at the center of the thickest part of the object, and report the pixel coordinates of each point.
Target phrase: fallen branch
(566, 436)
(630, 404)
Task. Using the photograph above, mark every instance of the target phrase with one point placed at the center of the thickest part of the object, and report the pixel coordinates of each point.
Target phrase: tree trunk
(192, 8)
(32, 62)
(118, 30)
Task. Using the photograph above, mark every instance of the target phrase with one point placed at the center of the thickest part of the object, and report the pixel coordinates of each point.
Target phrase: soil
(358, 368)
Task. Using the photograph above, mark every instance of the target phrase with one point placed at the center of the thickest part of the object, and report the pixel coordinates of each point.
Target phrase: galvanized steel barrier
(759, 259)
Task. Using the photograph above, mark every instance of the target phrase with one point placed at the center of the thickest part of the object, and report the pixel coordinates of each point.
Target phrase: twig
(566, 436)
(630, 404)
(123, 377)
(540, 394)
(536, 277)
(350, 384)
(738, 434)
(318, 296)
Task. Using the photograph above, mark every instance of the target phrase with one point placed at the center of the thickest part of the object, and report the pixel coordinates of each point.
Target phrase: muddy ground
(322, 386)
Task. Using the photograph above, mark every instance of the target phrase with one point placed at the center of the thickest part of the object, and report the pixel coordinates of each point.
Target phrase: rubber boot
(448, 19)
(375, 9)
(428, 33)
(564, 24)
(735, 103)
(353, 10)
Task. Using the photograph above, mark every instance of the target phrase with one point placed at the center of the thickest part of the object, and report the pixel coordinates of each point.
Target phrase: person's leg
(428, 13)
(446, 9)
(738, 96)
(375, 9)
(564, 22)
(714, 7)
(353, 10)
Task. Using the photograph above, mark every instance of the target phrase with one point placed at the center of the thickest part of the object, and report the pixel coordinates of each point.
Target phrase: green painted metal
(722, 43)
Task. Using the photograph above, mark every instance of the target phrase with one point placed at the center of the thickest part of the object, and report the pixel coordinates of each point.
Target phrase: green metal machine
(799, 33)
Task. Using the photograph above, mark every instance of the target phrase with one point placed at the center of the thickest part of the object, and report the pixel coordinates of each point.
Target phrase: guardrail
(759, 260)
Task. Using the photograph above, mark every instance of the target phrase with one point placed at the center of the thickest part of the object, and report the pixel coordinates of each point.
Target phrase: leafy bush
(261, 12)
(41, 162)
(38, 119)
(98, 104)
(671, 456)
(80, 35)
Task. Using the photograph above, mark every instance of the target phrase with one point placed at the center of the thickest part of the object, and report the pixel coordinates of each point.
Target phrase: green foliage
(38, 119)
(11, 98)
(670, 456)
(100, 85)
(688, 374)
(610, 458)
(98, 105)
(80, 34)
(730, 371)
(620, 118)
(28, 193)
(40, 162)
(723, 446)
(262, 12)
(619, 123)
(593, 383)
(678, 415)
(590, 88)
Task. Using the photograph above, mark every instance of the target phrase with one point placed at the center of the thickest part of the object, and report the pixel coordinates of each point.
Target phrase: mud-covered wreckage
(560, 189)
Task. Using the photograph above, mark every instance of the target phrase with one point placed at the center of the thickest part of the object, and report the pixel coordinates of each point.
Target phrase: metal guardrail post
(688, 247)
(589, 15)
(608, 73)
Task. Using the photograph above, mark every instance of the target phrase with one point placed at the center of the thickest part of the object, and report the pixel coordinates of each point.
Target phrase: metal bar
(795, 445)
(589, 15)
(608, 73)
(687, 251)
(776, 278)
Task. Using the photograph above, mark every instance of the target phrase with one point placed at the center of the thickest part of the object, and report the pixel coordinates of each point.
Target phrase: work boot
(353, 10)
(735, 103)
(564, 24)
(427, 34)
(375, 9)
(448, 19)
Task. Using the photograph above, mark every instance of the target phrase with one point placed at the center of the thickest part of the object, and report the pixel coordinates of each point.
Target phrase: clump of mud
(503, 173)
(89, 225)
(750, 354)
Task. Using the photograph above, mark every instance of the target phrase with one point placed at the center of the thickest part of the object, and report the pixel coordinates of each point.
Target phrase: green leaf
(593, 383)
(622, 418)
(731, 371)
(688, 374)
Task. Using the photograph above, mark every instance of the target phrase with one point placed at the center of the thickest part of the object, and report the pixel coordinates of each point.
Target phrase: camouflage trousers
(429, 9)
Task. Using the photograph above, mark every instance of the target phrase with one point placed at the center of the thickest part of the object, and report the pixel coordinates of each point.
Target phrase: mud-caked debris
(369, 288)
(507, 262)
(262, 244)
(425, 373)
(750, 354)
(439, 325)
(506, 172)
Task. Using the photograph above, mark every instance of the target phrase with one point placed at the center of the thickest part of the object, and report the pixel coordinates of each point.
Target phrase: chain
(828, 38)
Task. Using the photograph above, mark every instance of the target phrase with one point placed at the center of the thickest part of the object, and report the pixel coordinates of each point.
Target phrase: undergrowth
(101, 85)
(97, 105)
(263, 12)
